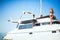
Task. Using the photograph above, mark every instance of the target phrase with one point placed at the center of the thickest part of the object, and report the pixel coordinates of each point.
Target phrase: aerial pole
(40, 8)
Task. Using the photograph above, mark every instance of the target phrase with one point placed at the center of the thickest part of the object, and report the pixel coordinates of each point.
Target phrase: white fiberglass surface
(36, 36)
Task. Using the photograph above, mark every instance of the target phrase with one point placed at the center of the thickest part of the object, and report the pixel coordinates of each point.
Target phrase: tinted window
(56, 22)
(25, 26)
(46, 23)
(25, 22)
(37, 24)
(28, 21)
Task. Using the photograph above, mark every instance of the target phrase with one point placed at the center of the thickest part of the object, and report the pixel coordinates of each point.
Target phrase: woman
(51, 15)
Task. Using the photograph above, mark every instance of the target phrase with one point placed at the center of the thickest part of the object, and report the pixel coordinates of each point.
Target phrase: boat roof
(46, 17)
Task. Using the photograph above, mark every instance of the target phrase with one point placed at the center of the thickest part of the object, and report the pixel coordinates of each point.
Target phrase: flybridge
(48, 16)
(42, 20)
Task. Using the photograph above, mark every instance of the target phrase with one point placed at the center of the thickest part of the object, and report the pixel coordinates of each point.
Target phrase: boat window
(28, 21)
(56, 22)
(37, 24)
(25, 26)
(46, 23)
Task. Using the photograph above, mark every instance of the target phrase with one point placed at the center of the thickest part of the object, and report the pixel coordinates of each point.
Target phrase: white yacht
(41, 28)
(35, 29)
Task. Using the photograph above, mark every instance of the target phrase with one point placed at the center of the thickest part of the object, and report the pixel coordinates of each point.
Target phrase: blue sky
(14, 9)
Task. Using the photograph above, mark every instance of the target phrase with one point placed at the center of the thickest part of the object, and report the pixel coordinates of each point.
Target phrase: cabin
(37, 22)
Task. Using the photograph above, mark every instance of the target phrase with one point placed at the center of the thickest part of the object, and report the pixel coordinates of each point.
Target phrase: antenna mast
(40, 7)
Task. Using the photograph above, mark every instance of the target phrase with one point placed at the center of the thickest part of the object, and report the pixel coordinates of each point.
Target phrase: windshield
(25, 26)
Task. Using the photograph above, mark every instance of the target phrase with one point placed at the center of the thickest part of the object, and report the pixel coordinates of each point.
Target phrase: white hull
(37, 36)
(36, 33)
